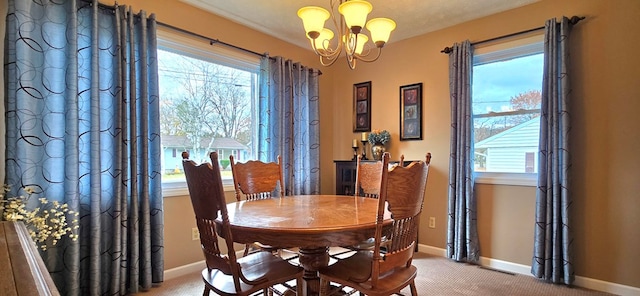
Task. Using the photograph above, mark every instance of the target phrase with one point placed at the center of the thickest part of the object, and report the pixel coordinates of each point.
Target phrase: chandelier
(349, 26)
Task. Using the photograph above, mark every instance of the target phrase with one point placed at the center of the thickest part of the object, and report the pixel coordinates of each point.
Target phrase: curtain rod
(573, 20)
(216, 41)
(211, 40)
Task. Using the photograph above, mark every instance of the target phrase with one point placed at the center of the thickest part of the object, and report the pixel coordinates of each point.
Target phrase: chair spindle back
(255, 179)
(402, 192)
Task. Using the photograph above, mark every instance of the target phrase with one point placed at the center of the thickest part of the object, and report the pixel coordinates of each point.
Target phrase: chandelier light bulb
(360, 42)
(355, 45)
(355, 14)
(380, 29)
(323, 41)
(313, 19)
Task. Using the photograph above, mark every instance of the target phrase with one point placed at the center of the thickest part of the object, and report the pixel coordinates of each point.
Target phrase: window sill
(513, 179)
(180, 189)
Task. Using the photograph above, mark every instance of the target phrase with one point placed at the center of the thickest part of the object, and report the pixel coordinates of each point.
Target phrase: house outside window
(506, 94)
(208, 96)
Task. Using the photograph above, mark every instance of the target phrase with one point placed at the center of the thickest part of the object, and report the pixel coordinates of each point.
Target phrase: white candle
(364, 137)
(355, 143)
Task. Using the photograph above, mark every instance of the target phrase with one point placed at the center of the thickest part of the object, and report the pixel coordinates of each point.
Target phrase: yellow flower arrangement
(47, 223)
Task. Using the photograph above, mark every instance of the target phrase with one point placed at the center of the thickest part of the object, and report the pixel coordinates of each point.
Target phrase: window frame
(527, 45)
(193, 46)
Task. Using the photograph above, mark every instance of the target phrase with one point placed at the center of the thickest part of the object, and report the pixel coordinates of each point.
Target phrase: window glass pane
(204, 106)
(506, 109)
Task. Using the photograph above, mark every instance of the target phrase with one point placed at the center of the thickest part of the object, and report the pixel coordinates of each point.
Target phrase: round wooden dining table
(312, 223)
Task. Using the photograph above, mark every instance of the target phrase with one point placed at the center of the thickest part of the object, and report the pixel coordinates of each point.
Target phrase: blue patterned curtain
(82, 126)
(552, 259)
(462, 234)
(289, 122)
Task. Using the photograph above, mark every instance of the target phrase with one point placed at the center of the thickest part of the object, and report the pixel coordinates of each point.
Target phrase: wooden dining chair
(373, 272)
(368, 180)
(367, 184)
(254, 180)
(227, 274)
(368, 176)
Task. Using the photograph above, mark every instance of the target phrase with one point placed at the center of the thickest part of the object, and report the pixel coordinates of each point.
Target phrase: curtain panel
(462, 234)
(289, 123)
(82, 128)
(552, 252)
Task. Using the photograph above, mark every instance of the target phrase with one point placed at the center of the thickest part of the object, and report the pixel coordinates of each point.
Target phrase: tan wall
(606, 140)
(606, 163)
(504, 222)
(179, 248)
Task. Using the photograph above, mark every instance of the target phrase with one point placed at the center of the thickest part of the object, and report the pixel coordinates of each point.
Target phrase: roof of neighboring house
(184, 142)
(227, 143)
(523, 135)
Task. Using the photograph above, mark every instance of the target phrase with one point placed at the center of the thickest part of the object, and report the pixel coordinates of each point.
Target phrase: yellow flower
(14, 217)
(46, 224)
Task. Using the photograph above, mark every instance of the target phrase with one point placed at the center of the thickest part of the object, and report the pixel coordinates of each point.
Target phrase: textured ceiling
(279, 18)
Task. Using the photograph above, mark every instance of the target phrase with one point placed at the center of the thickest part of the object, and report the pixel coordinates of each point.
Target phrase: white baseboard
(608, 287)
(184, 270)
(506, 266)
(190, 268)
(432, 250)
(580, 281)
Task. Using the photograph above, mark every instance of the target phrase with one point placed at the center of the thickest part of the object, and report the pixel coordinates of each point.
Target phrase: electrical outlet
(195, 234)
(432, 222)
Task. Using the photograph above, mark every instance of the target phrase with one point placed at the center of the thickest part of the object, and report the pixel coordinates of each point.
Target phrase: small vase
(377, 150)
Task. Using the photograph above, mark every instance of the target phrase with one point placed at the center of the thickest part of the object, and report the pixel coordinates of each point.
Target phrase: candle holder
(355, 153)
(364, 149)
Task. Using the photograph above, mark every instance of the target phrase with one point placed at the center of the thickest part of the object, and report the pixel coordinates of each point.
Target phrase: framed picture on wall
(411, 112)
(362, 107)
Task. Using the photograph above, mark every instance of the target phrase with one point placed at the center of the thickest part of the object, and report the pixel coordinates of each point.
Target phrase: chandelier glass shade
(349, 26)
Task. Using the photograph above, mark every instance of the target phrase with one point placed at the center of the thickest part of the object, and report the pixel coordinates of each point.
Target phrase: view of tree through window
(506, 109)
(204, 107)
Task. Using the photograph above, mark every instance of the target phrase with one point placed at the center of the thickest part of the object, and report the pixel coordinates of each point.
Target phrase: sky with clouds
(495, 83)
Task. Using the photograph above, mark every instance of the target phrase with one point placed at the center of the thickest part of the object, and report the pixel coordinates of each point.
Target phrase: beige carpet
(436, 276)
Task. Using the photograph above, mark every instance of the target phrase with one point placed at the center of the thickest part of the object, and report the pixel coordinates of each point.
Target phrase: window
(208, 96)
(506, 94)
(529, 162)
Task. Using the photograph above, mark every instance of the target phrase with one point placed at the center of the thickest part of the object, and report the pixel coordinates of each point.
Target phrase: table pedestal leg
(311, 260)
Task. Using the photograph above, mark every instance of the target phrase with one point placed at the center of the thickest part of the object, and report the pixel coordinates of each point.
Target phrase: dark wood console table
(23, 272)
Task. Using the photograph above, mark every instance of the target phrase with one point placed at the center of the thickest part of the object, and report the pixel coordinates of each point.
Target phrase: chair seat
(258, 247)
(368, 244)
(254, 266)
(287, 254)
(357, 272)
(365, 245)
